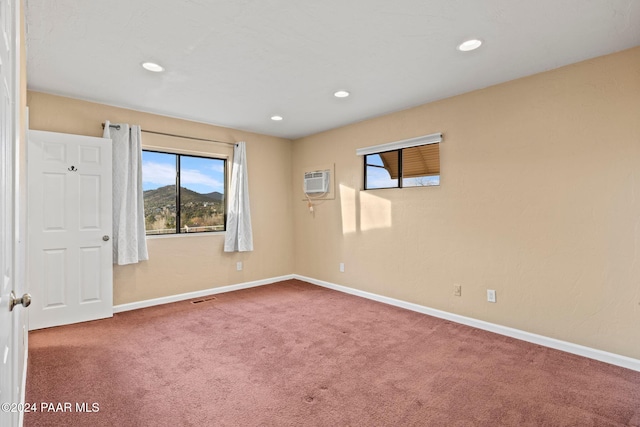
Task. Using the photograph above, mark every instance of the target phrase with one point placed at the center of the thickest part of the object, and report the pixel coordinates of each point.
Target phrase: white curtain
(239, 237)
(129, 241)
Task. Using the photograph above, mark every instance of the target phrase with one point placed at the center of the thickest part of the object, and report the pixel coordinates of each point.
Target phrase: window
(409, 163)
(183, 194)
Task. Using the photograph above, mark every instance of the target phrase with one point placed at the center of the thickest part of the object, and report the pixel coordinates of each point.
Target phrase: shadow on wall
(363, 211)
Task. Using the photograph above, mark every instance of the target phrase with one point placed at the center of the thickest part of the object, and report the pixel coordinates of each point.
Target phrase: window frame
(400, 171)
(400, 178)
(399, 146)
(178, 155)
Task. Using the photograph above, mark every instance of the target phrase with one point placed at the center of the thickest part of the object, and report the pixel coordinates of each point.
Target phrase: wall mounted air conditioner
(316, 182)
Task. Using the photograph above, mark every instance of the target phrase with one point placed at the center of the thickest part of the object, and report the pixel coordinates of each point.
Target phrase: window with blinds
(409, 165)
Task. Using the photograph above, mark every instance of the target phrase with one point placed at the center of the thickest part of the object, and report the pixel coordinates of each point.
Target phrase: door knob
(13, 301)
(105, 238)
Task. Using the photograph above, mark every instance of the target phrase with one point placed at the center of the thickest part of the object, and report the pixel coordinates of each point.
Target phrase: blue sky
(202, 175)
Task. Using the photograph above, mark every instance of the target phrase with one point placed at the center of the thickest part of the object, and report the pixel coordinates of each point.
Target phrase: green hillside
(197, 210)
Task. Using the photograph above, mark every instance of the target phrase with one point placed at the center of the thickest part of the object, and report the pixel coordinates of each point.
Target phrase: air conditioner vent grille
(316, 182)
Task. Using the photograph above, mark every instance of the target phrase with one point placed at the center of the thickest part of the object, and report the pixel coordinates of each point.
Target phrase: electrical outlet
(491, 295)
(239, 266)
(457, 290)
(342, 267)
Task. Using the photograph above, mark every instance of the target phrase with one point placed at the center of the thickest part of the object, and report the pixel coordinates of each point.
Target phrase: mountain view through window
(198, 206)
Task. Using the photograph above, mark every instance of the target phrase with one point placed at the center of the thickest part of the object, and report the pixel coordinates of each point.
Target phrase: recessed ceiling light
(276, 118)
(152, 66)
(468, 45)
(341, 94)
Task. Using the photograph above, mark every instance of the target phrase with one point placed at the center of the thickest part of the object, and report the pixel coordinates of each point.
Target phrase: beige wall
(539, 200)
(190, 263)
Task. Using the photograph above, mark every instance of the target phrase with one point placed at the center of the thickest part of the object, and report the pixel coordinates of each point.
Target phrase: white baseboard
(591, 353)
(197, 294)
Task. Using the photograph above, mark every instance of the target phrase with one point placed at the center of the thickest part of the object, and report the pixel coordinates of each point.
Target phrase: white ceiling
(235, 63)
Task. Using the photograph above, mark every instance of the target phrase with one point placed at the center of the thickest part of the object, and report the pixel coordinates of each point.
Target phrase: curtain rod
(176, 136)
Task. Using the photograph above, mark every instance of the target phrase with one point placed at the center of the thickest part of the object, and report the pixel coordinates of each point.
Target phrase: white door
(70, 250)
(9, 334)
(12, 344)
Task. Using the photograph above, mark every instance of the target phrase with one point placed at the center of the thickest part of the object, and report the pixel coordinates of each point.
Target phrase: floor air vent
(198, 301)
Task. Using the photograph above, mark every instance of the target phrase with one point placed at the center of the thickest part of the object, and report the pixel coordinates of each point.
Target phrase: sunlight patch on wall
(375, 212)
(348, 208)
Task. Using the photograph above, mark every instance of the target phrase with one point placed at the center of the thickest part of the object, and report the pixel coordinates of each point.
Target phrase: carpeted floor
(293, 354)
